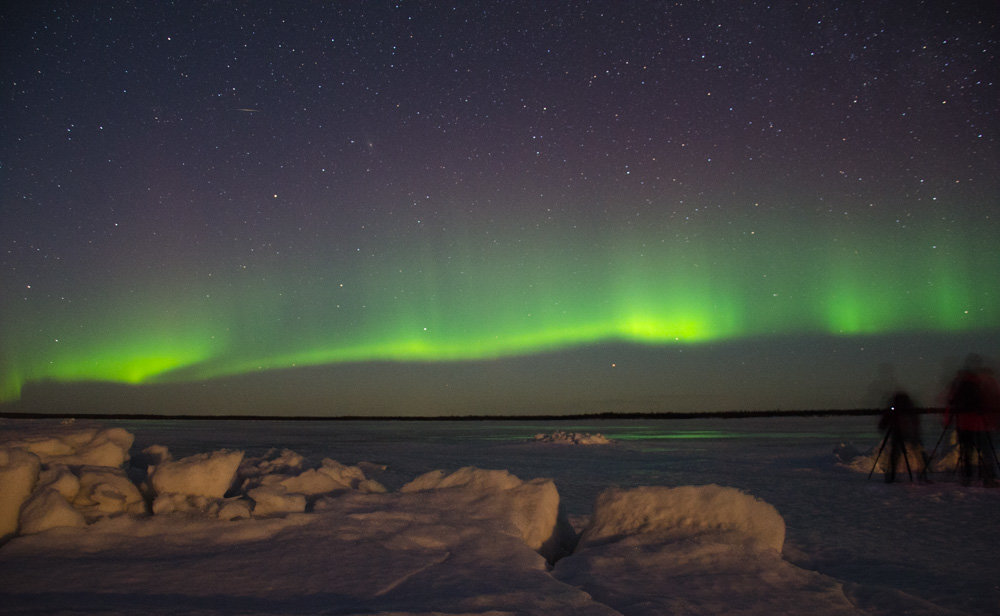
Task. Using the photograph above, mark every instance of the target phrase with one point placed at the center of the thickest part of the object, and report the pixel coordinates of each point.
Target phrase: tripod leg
(879, 454)
(989, 439)
(987, 463)
(906, 458)
(928, 459)
(922, 475)
(966, 452)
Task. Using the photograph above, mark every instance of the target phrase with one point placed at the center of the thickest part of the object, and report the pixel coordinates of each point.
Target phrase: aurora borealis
(197, 193)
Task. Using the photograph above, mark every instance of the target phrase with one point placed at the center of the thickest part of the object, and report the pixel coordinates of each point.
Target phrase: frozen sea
(872, 547)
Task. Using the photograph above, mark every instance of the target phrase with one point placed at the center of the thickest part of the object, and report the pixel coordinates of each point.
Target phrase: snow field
(226, 533)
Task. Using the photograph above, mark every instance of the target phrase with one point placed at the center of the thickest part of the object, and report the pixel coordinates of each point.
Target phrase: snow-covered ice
(716, 549)
(77, 447)
(18, 474)
(207, 474)
(747, 516)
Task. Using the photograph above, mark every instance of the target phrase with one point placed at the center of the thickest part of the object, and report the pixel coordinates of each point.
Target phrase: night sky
(396, 208)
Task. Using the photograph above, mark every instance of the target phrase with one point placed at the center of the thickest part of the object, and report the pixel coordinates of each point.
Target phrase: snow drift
(528, 510)
(693, 550)
(725, 515)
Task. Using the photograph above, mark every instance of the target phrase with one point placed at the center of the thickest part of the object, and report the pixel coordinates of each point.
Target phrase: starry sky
(406, 208)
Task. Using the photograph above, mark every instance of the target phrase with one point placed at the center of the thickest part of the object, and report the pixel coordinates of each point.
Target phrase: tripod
(936, 445)
(963, 461)
(906, 457)
(978, 441)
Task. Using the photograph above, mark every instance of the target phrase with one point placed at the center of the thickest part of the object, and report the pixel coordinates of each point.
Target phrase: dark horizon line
(540, 417)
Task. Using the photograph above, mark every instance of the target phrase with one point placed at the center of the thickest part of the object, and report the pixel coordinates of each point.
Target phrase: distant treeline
(569, 417)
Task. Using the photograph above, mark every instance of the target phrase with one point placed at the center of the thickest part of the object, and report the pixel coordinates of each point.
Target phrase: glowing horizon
(423, 299)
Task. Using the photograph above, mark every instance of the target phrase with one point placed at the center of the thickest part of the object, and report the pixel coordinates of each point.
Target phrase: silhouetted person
(973, 400)
(901, 423)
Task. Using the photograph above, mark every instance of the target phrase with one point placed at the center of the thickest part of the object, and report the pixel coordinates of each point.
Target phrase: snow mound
(204, 474)
(106, 492)
(235, 508)
(276, 500)
(278, 485)
(267, 486)
(273, 462)
(86, 447)
(66, 477)
(694, 550)
(468, 478)
(528, 510)
(573, 438)
(331, 476)
(46, 509)
(726, 515)
(74, 477)
(61, 479)
(153, 455)
(18, 474)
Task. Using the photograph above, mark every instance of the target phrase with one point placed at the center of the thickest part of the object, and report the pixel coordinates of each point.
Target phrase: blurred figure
(901, 425)
(973, 404)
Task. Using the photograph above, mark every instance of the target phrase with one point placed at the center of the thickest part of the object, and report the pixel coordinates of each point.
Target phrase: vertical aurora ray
(430, 297)
(938, 282)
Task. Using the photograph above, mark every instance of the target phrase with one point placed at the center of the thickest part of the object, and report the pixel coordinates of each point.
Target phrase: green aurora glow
(423, 297)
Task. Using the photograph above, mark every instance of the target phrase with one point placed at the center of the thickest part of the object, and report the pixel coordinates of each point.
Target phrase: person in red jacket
(973, 404)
